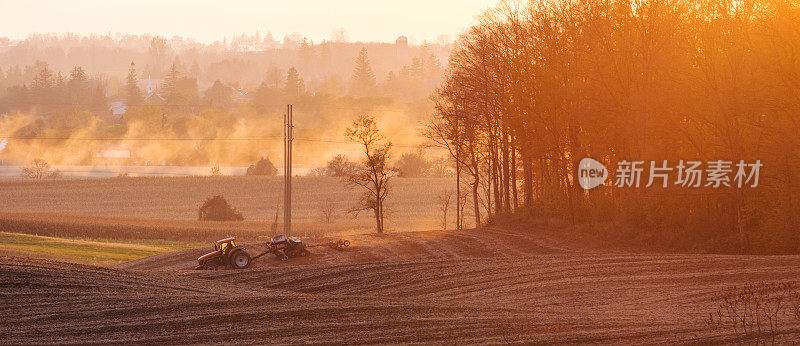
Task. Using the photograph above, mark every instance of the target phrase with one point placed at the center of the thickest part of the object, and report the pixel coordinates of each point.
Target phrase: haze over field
(196, 96)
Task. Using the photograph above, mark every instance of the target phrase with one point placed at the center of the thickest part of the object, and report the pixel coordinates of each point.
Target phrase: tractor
(225, 253)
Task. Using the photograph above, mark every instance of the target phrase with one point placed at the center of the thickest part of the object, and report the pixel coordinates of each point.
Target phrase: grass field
(412, 202)
(96, 252)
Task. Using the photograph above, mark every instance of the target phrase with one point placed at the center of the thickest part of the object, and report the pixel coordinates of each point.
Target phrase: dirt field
(484, 286)
(412, 203)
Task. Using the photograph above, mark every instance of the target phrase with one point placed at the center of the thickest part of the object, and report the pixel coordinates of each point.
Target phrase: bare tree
(328, 210)
(443, 132)
(373, 175)
(444, 199)
(274, 226)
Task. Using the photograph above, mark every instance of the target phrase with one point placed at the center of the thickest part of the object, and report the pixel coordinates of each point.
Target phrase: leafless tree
(328, 210)
(374, 173)
(444, 199)
(274, 226)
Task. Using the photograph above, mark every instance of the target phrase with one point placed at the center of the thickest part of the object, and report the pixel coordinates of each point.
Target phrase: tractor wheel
(284, 257)
(346, 243)
(304, 253)
(240, 259)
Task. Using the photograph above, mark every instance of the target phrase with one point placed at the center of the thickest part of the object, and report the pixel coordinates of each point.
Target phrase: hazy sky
(208, 21)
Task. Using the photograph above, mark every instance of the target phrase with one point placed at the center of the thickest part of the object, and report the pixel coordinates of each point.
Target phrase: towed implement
(227, 253)
(284, 247)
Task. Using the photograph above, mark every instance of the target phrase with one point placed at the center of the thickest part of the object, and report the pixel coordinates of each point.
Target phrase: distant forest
(245, 61)
(62, 87)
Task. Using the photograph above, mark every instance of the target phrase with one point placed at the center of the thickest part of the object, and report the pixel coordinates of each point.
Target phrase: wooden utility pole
(288, 136)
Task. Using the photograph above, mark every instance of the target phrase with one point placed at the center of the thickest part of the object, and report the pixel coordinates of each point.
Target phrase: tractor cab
(225, 245)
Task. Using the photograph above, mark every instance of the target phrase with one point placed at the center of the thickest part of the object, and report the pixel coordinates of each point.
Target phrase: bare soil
(478, 286)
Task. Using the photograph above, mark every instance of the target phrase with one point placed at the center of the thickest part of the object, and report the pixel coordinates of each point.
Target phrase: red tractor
(225, 253)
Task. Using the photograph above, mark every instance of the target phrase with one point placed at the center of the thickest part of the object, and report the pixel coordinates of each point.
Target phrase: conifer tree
(294, 84)
(133, 93)
(363, 77)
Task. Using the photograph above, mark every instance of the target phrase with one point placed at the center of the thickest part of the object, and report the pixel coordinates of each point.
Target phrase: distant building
(118, 108)
(238, 95)
(152, 97)
(150, 89)
(401, 42)
(115, 156)
(401, 48)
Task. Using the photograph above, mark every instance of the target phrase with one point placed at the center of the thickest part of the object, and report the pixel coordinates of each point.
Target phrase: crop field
(412, 203)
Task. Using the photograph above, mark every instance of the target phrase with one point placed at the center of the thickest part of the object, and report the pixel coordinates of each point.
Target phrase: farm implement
(228, 253)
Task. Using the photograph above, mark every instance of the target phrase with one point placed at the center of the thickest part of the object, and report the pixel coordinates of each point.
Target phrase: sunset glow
(208, 21)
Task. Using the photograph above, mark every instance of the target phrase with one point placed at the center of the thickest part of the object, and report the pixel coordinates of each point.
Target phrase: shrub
(262, 167)
(339, 166)
(217, 209)
(40, 169)
(412, 165)
(755, 312)
(416, 165)
(215, 171)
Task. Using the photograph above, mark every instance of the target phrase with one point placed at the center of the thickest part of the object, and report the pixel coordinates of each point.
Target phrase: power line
(135, 138)
(351, 108)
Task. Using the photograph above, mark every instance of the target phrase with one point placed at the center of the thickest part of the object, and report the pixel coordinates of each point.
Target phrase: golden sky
(208, 21)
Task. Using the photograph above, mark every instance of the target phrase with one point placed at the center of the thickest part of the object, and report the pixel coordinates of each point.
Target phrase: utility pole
(288, 136)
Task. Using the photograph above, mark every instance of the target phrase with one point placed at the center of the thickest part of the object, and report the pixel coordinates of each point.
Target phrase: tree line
(401, 71)
(534, 87)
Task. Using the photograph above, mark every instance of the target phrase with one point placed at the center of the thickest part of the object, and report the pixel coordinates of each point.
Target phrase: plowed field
(481, 286)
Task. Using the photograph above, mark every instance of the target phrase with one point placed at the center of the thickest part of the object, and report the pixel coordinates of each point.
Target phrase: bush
(412, 165)
(215, 171)
(339, 166)
(416, 165)
(40, 169)
(757, 312)
(217, 209)
(262, 167)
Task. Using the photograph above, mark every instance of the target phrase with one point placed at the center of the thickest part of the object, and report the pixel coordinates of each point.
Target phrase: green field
(86, 251)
